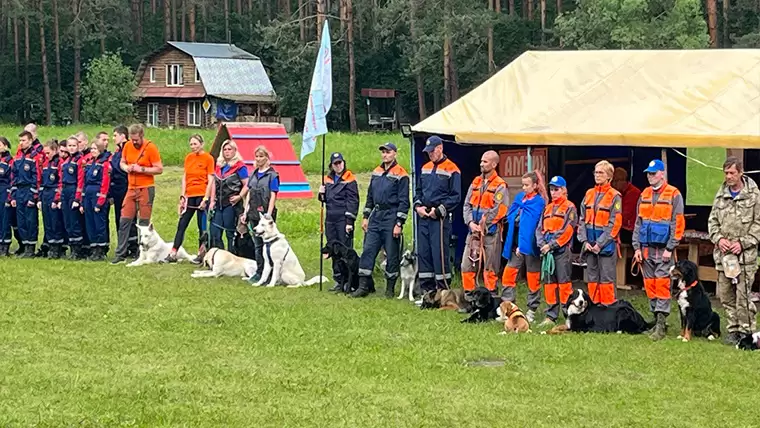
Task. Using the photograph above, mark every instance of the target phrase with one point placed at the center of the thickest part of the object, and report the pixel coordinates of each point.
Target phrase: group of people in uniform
(535, 231)
(72, 182)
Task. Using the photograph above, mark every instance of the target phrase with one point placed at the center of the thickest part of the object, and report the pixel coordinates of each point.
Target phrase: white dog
(279, 258)
(408, 274)
(224, 263)
(153, 249)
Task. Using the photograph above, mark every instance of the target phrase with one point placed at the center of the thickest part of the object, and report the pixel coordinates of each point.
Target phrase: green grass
(91, 344)
(173, 144)
(703, 182)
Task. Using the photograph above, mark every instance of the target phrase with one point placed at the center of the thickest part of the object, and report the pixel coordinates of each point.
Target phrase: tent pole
(530, 159)
(322, 219)
(664, 155)
(414, 192)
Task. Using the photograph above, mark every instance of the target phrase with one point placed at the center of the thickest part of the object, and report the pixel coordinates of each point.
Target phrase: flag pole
(322, 219)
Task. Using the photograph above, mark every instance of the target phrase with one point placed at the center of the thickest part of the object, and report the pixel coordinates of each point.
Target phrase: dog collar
(515, 313)
(692, 285)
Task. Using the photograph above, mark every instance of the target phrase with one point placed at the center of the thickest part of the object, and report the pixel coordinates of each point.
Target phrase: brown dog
(452, 299)
(514, 319)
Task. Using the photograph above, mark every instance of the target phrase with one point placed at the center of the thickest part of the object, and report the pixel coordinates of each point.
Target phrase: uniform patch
(71, 170)
(617, 205)
(95, 173)
(572, 216)
(2, 171)
(499, 196)
(52, 177)
(26, 167)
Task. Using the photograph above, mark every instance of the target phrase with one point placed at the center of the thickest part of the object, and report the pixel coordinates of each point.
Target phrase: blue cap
(558, 181)
(388, 146)
(432, 143)
(655, 166)
(336, 157)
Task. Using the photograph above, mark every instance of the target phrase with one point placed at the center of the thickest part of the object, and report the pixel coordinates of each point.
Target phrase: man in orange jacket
(659, 228)
(485, 207)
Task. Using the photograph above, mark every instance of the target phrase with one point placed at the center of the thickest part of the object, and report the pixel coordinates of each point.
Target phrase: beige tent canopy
(689, 98)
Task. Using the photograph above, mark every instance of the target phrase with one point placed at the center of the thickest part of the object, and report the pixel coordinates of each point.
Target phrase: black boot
(4, 250)
(390, 288)
(74, 251)
(55, 252)
(19, 250)
(97, 254)
(363, 290)
(337, 288)
(43, 251)
(83, 252)
(28, 252)
(659, 327)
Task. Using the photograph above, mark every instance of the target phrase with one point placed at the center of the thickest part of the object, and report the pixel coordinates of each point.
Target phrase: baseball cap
(558, 181)
(388, 146)
(655, 166)
(336, 157)
(432, 143)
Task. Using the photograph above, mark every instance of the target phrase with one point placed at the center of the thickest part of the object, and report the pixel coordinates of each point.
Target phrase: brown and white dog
(514, 319)
(452, 299)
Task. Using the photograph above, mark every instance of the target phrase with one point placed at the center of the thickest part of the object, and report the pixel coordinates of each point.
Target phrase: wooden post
(530, 159)
(665, 161)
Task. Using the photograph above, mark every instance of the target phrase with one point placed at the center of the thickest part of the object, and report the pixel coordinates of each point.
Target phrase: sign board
(206, 105)
(513, 164)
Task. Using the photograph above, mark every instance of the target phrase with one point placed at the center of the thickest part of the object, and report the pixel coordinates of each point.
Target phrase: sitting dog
(585, 316)
(153, 249)
(242, 244)
(514, 319)
(483, 306)
(346, 262)
(408, 274)
(223, 263)
(452, 299)
(749, 342)
(697, 316)
(279, 259)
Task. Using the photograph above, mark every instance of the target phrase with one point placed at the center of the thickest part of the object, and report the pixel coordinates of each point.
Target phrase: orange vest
(656, 217)
(599, 215)
(554, 219)
(488, 199)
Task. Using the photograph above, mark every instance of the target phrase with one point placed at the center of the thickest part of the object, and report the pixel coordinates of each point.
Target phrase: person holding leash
(118, 190)
(734, 227)
(70, 187)
(520, 247)
(261, 197)
(340, 194)
(95, 208)
(227, 194)
(659, 228)
(439, 191)
(485, 208)
(141, 161)
(554, 237)
(385, 212)
(49, 204)
(6, 212)
(26, 176)
(196, 191)
(599, 226)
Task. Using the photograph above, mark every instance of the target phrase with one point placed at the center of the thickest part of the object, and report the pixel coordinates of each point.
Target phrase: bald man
(485, 208)
(36, 145)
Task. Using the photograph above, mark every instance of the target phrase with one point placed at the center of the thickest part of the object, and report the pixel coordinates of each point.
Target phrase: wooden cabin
(199, 84)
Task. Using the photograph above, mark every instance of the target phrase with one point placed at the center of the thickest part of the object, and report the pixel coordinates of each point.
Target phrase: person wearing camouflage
(734, 227)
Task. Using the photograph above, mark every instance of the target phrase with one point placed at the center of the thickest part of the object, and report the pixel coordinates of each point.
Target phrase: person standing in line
(598, 231)
(97, 182)
(734, 228)
(196, 191)
(6, 212)
(629, 198)
(261, 199)
(141, 161)
(26, 174)
(227, 195)
(70, 187)
(118, 189)
(49, 204)
(340, 194)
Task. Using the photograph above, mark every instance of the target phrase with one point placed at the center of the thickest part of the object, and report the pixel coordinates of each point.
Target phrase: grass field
(91, 344)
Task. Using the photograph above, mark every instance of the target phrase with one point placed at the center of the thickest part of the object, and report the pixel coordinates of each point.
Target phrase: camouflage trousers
(740, 310)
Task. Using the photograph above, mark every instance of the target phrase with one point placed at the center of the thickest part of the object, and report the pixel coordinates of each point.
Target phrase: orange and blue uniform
(439, 189)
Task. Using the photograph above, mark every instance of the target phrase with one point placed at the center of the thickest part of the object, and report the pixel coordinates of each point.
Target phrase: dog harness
(516, 313)
(268, 248)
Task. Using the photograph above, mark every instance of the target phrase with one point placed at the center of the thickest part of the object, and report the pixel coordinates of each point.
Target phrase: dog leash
(548, 267)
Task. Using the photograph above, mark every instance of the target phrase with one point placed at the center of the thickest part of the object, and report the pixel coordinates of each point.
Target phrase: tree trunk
(559, 7)
(712, 22)
(490, 40)
(57, 36)
(511, 6)
(446, 71)
(320, 18)
(153, 7)
(348, 6)
(43, 54)
(302, 20)
(173, 11)
(191, 21)
(183, 16)
(530, 10)
(77, 63)
(436, 101)
(204, 15)
(102, 33)
(137, 35)
(418, 75)
(498, 6)
(239, 7)
(26, 49)
(16, 46)
(542, 4)
(726, 31)
(286, 10)
(167, 20)
(342, 14)
(454, 76)
(226, 20)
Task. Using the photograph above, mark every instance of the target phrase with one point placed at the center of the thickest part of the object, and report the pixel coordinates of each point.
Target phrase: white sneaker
(547, 323)
(418, 302)
(531, 316)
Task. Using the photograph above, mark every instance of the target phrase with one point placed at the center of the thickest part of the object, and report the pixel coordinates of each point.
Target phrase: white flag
(320, 96)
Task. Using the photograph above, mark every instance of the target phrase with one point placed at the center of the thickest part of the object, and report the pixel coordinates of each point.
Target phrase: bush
(108, 90)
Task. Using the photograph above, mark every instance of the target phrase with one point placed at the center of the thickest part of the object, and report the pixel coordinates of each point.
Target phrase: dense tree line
(432, 50)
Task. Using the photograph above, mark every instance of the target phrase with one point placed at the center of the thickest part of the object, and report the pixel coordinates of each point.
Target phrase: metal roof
(235, 79)
(212, 50)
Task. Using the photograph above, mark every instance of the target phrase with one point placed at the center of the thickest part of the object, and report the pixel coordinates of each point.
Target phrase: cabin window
(193, 113)
(152, 119)
(174, 75)
(152, 74)
(197, 75)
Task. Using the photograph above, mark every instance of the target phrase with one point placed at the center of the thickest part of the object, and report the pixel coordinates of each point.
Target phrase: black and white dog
(697, 316)
(483, 306)
(749, 342)
(346, 263)
(585, 316)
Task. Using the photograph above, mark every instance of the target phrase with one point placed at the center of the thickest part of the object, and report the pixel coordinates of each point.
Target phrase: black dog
(483, 305)
(346, 263)
(697, 316)
(749, 342)
(585, 316)
(243, 246)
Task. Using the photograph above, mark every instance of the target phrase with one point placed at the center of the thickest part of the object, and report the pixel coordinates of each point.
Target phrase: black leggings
(192, 208)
